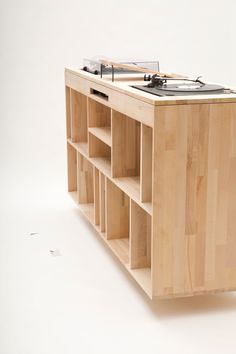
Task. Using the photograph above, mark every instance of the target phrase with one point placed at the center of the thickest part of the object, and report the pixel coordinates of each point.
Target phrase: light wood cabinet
(156, 177)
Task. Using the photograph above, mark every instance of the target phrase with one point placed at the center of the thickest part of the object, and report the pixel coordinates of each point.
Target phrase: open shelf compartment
(125, 152)
(125, 146)
(81, 181)
(99, 133)
(117, 233)
(78, 110)
(100, 153)
(140, 246)
(102, 133)
(99, 121)
(140, 237)
(76, 118)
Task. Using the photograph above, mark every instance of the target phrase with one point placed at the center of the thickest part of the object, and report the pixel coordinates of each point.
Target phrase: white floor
(80, 300)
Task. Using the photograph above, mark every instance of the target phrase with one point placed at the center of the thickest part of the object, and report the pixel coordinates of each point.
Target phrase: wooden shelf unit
(156, 179)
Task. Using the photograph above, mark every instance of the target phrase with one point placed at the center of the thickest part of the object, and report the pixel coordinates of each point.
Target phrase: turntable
(161, 86)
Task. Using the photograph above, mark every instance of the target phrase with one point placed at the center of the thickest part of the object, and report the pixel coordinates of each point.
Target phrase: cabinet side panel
(194, 199)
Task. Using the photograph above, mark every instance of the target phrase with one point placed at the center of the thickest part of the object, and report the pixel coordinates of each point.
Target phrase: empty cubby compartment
(99, 115)
(78, 116)
(125, 146)
(97, 148)
(140, 237)
(117, 220)
(100, 121)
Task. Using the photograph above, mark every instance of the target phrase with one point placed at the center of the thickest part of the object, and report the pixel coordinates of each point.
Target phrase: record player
(160, 86)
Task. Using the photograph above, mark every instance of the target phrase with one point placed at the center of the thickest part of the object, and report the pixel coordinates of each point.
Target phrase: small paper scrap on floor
(33, 233)
(55, 253)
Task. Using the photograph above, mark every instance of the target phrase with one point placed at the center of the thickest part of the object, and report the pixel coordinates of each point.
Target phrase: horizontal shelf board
(74, 196)
(129, 185)
(120, 247)
(103, 164)
(147, 207)
(143, 278)
(86, 209)
(102, 133)
(81, 147)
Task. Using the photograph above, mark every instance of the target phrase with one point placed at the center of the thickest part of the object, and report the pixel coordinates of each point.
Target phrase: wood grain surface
(194, 211)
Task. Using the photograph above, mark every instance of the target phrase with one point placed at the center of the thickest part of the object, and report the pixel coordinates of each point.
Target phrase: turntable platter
(193, 88)
(182, 89)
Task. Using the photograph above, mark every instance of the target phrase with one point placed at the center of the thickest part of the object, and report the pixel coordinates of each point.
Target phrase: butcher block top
(122, 83)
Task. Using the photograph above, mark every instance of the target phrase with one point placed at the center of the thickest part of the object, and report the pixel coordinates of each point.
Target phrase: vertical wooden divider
(85, 180)
(102, 199)
(96, 197)
(87, 122)
(112, 147)
(72, 168)
(68, 112)
(146, 163)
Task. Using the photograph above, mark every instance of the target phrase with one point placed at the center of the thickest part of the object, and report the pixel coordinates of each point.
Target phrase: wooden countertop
(123, 81)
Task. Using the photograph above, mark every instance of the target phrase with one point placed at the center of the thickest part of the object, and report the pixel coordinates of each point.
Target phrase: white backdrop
(82, 302)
